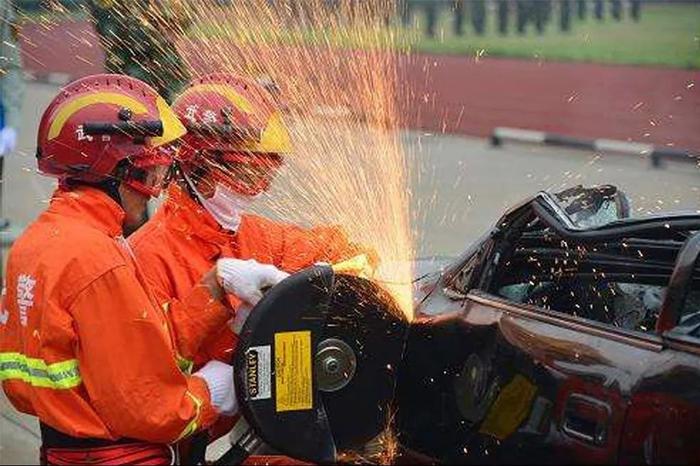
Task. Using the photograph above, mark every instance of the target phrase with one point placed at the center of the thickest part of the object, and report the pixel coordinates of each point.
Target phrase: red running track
(643, 104)
(458, 94)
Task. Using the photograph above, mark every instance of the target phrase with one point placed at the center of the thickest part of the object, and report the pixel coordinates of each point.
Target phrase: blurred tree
(294, 9)
(405, 7)
(387, 16)
(635, 9)
(522, 15)
(431, 16)
(616, 9)
(565, 15)
(478, 15)
(139, 39)
(502, 8)
(547, 10)
(599, 10)
(541, 11)
(458, 11)
(582, 9)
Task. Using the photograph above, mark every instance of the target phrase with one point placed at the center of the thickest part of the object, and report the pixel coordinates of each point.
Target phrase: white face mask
(226, 205)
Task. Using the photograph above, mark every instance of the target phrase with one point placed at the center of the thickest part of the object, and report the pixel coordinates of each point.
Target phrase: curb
(54, 78)
(657, 155)
(8, 236)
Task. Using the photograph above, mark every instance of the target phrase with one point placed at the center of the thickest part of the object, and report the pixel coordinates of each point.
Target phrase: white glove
(8, 140)
(219, 379)
(247, 279)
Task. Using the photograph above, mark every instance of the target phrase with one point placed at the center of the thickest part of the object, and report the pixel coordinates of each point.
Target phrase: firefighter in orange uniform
(235, 143)
(84, 344)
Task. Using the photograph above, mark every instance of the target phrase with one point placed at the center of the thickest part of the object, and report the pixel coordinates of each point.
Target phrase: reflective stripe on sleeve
(59, 375)
(192, 425)
(185, 365)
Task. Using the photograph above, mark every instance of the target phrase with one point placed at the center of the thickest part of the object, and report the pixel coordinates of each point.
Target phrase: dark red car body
(562, 374)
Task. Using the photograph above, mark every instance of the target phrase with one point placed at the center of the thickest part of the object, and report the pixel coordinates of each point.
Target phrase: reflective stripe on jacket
(84, 345)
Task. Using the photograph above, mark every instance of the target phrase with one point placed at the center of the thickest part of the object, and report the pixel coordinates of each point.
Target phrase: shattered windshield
(593, 207)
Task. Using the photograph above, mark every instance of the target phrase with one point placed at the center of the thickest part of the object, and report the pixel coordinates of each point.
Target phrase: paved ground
(472, 183)
(460, 187)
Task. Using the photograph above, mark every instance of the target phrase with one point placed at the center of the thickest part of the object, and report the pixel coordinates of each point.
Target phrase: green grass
(666, 35)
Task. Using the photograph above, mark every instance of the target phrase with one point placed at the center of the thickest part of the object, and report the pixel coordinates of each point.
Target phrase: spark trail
(338, 80)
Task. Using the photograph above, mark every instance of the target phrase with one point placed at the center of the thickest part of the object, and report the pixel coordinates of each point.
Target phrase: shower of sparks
(334, 67)
(384, 449)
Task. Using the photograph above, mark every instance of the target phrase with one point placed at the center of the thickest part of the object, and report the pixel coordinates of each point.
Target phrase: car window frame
(651, 341)
(680, 337)
(681, 342)
(582, 320)
(544, 207)
(541, 206)
(678, 287)
(563, 316)
(646, 340)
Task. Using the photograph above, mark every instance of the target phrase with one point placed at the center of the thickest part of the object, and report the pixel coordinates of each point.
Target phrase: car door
(663, 421)
(494, 380)
(561, 384)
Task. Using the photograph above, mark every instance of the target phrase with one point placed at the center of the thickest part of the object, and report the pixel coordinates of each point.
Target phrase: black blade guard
(316, 361)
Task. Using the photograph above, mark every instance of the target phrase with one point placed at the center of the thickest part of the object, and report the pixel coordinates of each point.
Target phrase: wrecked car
(570, 333)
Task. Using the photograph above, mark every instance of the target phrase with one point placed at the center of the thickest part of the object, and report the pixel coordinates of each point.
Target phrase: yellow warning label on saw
(293, 379)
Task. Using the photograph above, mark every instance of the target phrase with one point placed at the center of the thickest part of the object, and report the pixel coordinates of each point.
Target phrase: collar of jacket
(189, 218)
(89, 205)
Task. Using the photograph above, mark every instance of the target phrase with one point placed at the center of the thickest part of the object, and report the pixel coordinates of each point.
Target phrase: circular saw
(317, 362)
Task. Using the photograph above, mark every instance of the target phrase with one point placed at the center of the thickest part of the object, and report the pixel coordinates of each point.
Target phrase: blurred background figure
(139, 40)
(11, 91)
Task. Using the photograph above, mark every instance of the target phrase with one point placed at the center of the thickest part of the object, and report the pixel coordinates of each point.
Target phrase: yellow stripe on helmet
(275, 137)
(224, 90)
(172, 126)
(67, 110)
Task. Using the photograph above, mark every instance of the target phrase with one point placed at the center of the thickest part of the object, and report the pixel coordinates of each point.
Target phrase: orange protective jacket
(182, 241)
(84, 345)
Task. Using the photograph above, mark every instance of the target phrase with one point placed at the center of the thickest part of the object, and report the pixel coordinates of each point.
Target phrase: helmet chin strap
(189, 184)
(111, 187)
(191, 188)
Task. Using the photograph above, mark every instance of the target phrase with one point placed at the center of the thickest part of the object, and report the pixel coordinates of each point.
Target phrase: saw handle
(242, 449)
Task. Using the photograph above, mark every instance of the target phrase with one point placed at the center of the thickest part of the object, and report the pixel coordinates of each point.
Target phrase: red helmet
(234, 125)
(98, 121)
